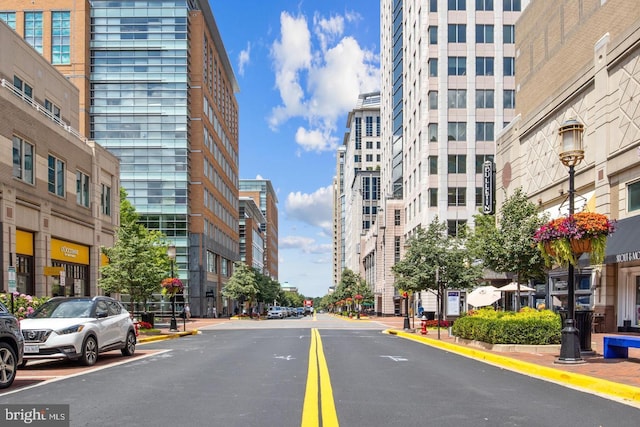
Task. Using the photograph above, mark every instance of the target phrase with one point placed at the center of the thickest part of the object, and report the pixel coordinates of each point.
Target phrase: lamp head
(171, 252)
(571, 150)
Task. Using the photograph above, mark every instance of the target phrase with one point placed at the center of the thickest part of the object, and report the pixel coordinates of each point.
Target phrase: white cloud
(319, 79)
(244, 58)
(315, 140)
(305, 245)
(314, 209)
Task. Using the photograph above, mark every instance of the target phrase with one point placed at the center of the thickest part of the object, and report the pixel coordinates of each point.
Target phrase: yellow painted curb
(161, 337)
(580, 381)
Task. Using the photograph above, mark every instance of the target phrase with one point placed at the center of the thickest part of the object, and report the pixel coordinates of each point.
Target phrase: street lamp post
(171, 253)
(407, 326)
(571, 154)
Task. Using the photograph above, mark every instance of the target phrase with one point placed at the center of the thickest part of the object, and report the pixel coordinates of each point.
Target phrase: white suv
(276, 313)
(78, 328)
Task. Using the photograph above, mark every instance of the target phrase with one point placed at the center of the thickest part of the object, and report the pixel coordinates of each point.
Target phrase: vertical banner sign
(488, 187)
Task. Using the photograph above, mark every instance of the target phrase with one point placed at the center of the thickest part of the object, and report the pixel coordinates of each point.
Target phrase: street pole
(406, 311)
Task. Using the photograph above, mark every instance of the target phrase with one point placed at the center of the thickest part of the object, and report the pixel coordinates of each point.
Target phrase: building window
(396, 217)
(457, 131)
(456, 196)
(484, 98)
(377, 125)
(457, 98)
(433, 5)
(478, 196)
(484, 33)
(60, 37)
(633, 195)
(396, 248)
(484, 131)
(369, 158)
(433, 67)
(432, 195)
(509, 98)
(509, 33)
(433, 34)
(455, 227)
(369, 145)
(55, 176)
(23, 87)
(53, 109)
(511, 5)
(457, 33)
(484, 66)
(457, 65)
(369, 125)
(433, 100)
(9, 18)
(33, 30)
(82, 189)
(457, 163)
(484, 4)
(480, 159)
(22, 160)
(433, 132)
(357, 158)
(105, 200)
(433, 165)
(509, 66)
(457, 4)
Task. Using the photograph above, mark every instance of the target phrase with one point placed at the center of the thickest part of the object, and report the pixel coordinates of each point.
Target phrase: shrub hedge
(528, 326)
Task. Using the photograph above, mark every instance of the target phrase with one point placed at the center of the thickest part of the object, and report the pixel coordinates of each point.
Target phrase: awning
(624, 244)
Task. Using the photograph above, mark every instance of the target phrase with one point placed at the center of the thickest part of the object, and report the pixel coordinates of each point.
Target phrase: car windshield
(63, 309)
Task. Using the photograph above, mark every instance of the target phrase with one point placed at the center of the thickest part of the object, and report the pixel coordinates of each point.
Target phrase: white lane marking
(396, 358)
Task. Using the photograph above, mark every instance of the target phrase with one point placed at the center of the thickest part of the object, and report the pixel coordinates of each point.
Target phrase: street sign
(12, 279)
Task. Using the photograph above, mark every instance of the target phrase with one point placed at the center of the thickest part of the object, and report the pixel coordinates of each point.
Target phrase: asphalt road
(299, 372)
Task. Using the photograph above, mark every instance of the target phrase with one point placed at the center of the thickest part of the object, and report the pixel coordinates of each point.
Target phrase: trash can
(582, 322)
(149, 318)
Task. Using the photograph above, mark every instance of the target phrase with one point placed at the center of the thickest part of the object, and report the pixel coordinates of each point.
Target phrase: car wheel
(130, 345)
(89, 351)
(8, 365)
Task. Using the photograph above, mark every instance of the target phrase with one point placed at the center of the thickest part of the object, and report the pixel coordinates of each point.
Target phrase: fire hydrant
(423, 324)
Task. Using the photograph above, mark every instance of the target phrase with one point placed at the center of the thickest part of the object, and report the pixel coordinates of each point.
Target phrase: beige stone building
(59, 200)
(580, 60)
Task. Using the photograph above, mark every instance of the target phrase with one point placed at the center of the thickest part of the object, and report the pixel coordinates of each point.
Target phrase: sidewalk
(619, 378)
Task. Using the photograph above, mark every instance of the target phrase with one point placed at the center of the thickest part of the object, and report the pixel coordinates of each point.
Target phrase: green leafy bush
(529, 326)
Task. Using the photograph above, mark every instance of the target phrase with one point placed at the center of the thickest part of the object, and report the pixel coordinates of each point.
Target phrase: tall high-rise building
(361, 186)
(447, 89)
(263, 194)
(338, 216)
(157, 90)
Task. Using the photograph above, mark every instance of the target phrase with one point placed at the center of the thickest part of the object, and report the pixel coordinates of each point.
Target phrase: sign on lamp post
(12, 279)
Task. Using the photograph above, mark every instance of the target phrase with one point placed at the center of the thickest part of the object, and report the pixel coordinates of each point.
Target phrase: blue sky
(300, 66)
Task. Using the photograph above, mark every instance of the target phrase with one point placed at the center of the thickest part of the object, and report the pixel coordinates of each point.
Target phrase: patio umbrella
(513, 286)
(483, 296)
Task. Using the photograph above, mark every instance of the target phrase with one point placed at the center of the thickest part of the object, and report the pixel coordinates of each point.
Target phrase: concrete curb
(579, 381)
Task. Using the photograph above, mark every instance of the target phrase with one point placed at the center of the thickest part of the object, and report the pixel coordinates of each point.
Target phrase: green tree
(242, 285)
(507, 246)
(138, 260)
(429, 250)
(268, 289)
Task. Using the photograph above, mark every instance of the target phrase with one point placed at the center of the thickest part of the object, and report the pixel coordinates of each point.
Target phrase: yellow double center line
(318, 371)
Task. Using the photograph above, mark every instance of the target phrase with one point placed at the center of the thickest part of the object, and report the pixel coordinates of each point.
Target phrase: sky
(300, 66)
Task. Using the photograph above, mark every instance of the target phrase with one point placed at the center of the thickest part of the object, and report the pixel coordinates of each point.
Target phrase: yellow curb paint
(318, 370)
(579, 381)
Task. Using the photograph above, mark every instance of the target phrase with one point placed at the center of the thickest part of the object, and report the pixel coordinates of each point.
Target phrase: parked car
(11, 347)
(299, 311)
(276, 312)
(78, 328)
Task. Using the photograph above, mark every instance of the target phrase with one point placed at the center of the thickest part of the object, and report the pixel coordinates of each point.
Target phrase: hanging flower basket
(563, 240)
(171, 286)
(580, 246)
